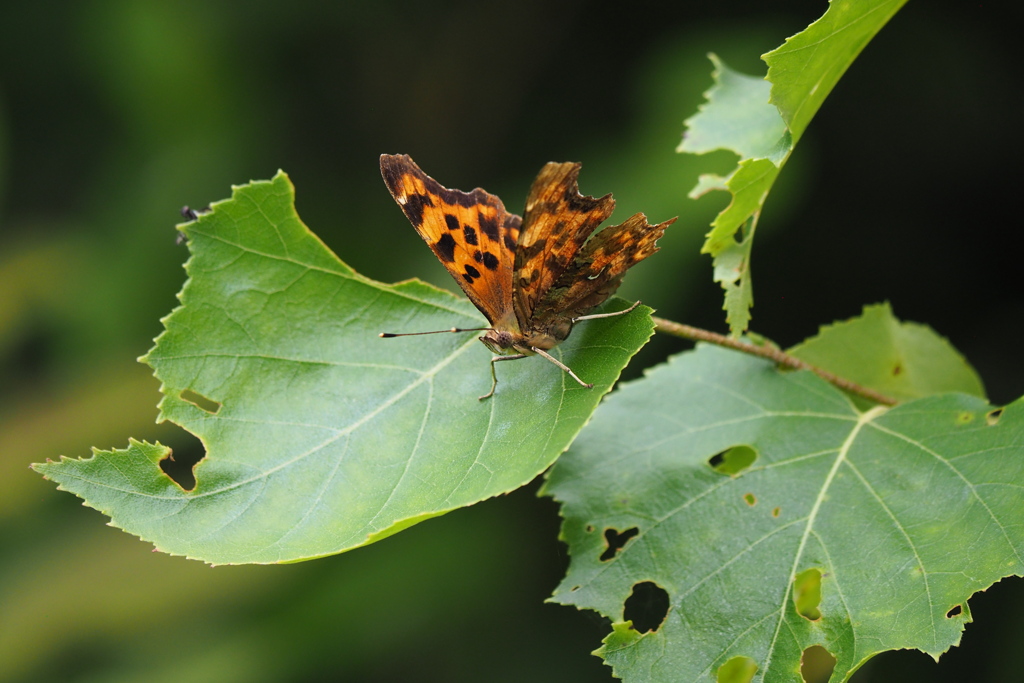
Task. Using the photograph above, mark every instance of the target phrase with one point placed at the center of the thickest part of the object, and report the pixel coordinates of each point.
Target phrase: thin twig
(771, 353)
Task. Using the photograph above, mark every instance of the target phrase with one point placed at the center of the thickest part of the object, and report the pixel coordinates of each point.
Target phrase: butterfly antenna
(453, 329)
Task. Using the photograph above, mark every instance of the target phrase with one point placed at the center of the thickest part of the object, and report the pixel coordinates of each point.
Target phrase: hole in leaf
(179, 472)
(776, 512)
(574, 589)
(200, 401)
(647, 606)
(750, 499)
(590, 528)
(897, 369)
(956, 610)
(737, 670)
(616, 541)
(964, 417)
(807, 593)
(816, 664)
(992, 416)
(733, 461)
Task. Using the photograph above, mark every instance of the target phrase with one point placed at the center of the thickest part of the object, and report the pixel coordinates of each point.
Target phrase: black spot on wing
(528, 253)
(478, 256)
(508, 236)
(451, 221)
(445, 248)
(470, 274)
(470, 234)
(488, 226)
(563, 237)
(490, 261)
(536, 248)
(413, 207)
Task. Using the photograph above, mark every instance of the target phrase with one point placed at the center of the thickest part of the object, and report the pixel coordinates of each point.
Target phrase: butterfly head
(498, 341)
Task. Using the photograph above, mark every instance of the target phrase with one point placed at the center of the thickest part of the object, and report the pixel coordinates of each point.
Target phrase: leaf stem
(773, 354)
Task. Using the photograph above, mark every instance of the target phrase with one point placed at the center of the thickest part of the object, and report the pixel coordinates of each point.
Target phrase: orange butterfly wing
(598, 269)
(469, 232)
(557, 222)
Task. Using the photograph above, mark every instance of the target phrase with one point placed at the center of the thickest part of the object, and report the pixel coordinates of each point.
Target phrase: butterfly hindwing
(557, 222)
(471, 233)
(598, 269)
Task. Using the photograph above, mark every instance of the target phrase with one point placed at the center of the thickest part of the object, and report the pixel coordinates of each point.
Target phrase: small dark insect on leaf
(189, 214)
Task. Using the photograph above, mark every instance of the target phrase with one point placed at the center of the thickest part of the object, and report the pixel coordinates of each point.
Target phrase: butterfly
(534, 277)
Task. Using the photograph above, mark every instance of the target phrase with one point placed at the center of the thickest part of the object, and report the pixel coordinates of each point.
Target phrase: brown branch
(771, 353)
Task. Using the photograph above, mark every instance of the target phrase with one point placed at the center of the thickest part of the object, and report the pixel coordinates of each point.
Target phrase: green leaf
(738, 117)
(320, 436)
(856, 531)
(807, 66)
(761, 120)
(903, 360)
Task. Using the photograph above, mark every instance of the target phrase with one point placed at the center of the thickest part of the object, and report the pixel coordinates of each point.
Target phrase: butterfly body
(500, 340)
(531, 277)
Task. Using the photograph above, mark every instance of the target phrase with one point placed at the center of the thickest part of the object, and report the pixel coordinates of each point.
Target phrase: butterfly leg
(494, 375)
(606, 315)
(542, 352)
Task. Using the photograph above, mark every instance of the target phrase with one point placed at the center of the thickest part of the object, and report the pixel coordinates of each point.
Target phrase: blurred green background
(115, 113)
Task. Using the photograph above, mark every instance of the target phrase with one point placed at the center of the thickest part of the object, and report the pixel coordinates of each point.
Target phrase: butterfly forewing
(557, 222)
(471, 233)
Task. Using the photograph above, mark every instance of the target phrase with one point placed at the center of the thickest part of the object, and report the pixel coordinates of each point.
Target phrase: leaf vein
(970, 485)
(910, 542)
(841, 457)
